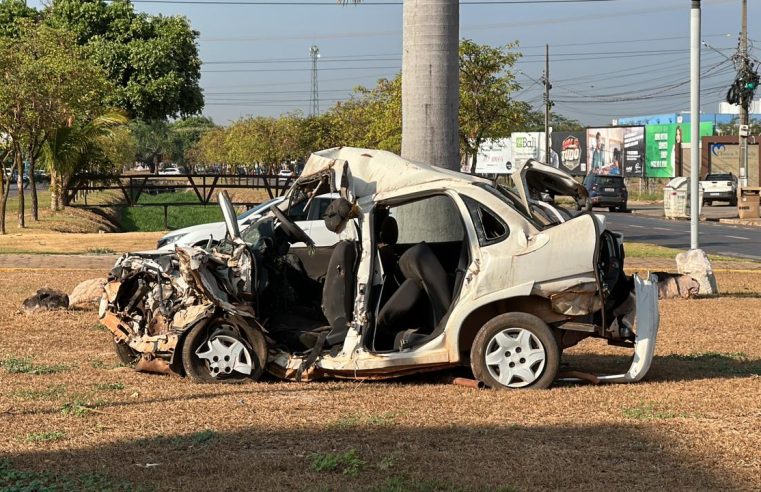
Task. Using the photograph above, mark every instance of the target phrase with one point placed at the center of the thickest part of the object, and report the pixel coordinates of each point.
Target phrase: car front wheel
(224, 351)
(515, 350)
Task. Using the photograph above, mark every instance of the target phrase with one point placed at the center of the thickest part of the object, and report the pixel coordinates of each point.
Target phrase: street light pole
(694, 122)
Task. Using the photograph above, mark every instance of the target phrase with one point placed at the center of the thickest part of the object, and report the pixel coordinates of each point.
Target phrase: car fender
(467, 307)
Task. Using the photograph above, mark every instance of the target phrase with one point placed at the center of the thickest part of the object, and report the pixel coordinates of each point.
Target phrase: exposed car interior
(423, 265)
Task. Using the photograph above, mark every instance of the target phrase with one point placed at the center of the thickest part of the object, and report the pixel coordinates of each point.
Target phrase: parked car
(171, 170)
(491, 281)
(720, 187)
(309, 220)
(606, 191)
(284, 175)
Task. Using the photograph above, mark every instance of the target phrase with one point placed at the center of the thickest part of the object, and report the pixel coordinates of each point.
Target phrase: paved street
(714, 238)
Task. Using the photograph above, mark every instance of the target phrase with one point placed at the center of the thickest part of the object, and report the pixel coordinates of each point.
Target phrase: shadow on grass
(673, 367)
(391, 458)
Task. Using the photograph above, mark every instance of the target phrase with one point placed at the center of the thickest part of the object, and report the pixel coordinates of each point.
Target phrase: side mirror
(231, 220)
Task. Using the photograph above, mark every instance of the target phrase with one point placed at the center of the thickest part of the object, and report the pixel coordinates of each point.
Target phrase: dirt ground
(68, 408)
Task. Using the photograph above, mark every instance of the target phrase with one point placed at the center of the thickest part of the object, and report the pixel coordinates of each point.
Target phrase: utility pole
(547, 104)
(694, 122)
(314, 100)
(744, 102)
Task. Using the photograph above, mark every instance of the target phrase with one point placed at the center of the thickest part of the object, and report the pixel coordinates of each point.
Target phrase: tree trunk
(33, 185)
(430, 82)
(475, 157)
(20, 186)
(3, 193)
(62, 193)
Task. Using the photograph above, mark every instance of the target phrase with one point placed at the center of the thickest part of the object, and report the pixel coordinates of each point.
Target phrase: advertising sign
(571, 149)
(527, 145)
(605, 150)
(634, 150)
(495, 157)
(663, 147)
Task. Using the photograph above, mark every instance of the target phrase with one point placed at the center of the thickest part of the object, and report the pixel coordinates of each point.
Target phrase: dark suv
(606, 191)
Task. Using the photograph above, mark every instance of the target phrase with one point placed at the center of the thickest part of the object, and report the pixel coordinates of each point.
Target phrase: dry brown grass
(694, 424)
(57, 243)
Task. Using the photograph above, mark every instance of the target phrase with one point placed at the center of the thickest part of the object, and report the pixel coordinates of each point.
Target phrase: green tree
(86, 145)
(733, 128)
(184, 133)
(487, 83)
(152, 60)
(534, 122)
(47, 83)
(12, 16)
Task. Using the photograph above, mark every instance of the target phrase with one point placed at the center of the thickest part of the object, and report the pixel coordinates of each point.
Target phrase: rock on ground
(46, 300)
(87, 292)
(695, 263)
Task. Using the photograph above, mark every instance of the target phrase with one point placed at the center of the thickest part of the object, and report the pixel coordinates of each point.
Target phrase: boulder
(672, 285)
(46, 300)
(87, 292)
(695, 263)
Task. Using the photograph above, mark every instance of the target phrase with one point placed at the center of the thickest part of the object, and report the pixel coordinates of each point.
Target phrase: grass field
(151, 218)
(73, 418)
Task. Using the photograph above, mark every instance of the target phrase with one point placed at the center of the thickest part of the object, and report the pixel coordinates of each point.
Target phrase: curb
(744, 222)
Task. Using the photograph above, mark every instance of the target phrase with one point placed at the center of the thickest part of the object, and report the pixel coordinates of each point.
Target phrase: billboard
(663, 147)
(569, 151)
(527, 145)
(605, 150)
(495, 157)
(634, 151)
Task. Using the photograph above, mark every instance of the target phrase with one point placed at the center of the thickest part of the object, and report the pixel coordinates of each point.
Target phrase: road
(715, 238)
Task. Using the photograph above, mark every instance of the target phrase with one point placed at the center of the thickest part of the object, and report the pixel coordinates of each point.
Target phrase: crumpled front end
(152, 299)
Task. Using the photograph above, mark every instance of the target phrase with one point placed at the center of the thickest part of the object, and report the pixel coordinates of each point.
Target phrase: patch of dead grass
(60, 243)
(415, 434)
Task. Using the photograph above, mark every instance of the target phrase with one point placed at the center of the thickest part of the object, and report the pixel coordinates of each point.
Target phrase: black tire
(733, 202)
(709, 203)
(126, 354)
(612, 209)
(622, 208)
(528, 322)
(253, 340)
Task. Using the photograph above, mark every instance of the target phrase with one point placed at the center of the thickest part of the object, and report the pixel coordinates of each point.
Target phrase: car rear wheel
(224, 351)
(515, 350)
(709, 203)
(622, 208)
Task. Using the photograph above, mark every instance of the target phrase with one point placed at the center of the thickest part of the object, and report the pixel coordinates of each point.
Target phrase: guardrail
(132, 186)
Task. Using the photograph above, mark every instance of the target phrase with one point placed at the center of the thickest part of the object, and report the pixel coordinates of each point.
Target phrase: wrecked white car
(435, 269)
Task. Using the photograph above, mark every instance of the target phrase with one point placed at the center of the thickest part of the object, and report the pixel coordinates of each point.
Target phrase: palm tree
(77, 147)
(430, 81)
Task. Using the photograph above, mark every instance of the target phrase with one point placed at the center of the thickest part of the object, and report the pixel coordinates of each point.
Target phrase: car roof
(375, 171)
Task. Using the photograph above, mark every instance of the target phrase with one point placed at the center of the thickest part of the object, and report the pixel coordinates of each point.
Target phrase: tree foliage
(152, 60)
(13, 13)
(47, 83)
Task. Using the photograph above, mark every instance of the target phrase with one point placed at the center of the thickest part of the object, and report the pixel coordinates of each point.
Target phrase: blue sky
(256, 59)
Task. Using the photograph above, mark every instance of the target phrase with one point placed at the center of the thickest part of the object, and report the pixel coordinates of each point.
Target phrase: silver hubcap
(515, 357)
(225, 355)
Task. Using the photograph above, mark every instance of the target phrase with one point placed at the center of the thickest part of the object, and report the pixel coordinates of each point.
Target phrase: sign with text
(571, 149)
(495, 157)
(634, 151)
